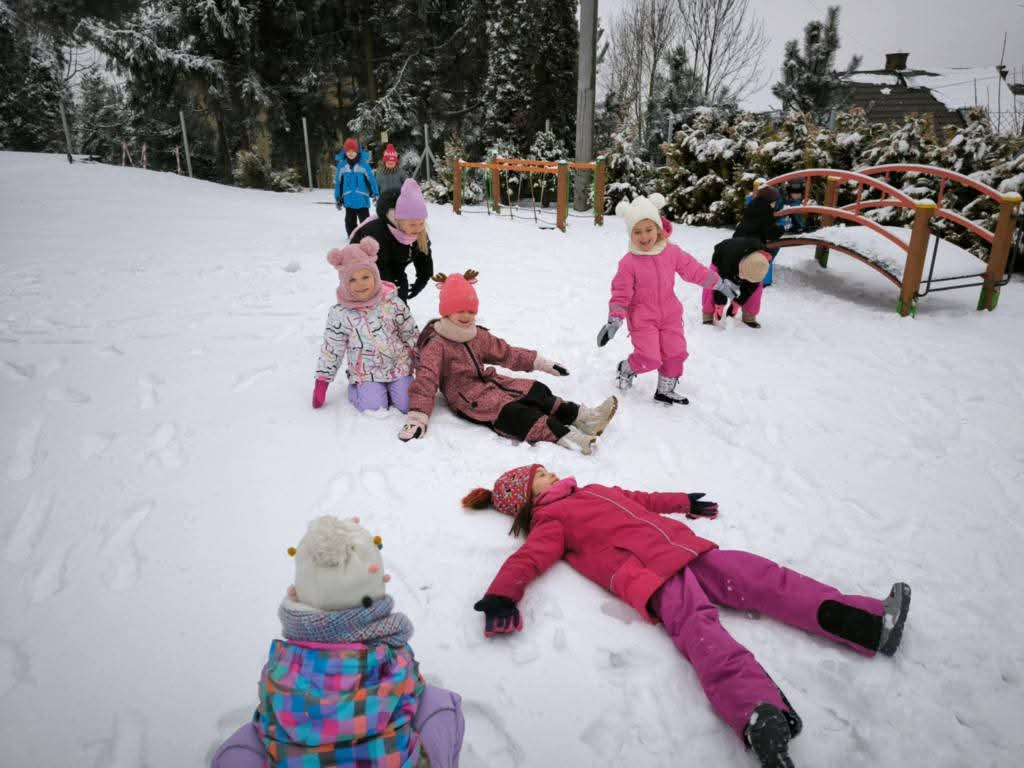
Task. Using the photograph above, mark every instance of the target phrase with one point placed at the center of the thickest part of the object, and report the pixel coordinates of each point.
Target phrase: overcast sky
(936, 33)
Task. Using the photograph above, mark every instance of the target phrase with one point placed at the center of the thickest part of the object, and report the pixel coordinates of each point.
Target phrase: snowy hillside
(158, 338)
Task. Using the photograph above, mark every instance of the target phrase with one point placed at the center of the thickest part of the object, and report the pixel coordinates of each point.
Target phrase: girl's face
(645, 234)
(361, 284)
(391, 164)
(351, 154)
(411, 226)
(463, 319)
(542, 480)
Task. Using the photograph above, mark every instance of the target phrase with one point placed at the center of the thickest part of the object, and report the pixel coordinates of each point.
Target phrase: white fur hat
(338, 565)
(641, 208)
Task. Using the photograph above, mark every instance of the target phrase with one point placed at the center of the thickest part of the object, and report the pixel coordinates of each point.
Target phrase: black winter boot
(897, 606)
(768, 735)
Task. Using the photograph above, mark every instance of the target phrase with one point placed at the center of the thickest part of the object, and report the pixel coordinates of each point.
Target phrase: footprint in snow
(67, 395)
(27, 455)
(15, 666)
(488, 743)
(96, 444)
(248, 378)
(125, 747)
(28, 530)
(165, 448)
(19, 371)
(148, 397)
(119, 548)
(51, 578)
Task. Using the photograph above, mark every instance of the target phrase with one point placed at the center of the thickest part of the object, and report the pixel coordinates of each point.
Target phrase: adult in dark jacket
(759, 217)
(400, 229)
(743, 261)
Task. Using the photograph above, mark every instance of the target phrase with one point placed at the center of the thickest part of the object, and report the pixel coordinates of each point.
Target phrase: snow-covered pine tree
(810, 82)
(546, 146)
(508, 96)
(102, 120)
(553, 52)
(912, 142)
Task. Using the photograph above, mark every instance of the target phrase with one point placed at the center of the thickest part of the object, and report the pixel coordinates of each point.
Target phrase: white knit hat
(641, 208)
(338, 565)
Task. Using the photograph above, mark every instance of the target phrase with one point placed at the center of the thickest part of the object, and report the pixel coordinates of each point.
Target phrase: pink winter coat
(463, 373)
(643, 289)
(615, 538)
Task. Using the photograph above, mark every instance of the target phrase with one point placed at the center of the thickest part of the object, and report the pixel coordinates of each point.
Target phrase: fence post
(309, 166)
(831, 198)
(177, 157)
(1000, 250)
(426, 147)
(457, 187)
(914, 268)
(495, 189)
(599, 172)
(145, 159)
(563, 193)
(184, 138)
(67, 133)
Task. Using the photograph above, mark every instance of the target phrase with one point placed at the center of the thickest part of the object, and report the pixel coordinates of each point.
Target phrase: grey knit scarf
(372, 626)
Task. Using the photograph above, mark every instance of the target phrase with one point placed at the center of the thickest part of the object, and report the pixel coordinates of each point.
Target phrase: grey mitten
(608, 330)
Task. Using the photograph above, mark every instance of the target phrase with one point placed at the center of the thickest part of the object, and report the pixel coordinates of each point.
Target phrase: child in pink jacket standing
(669, 574)
(457, 356)
(643, 294)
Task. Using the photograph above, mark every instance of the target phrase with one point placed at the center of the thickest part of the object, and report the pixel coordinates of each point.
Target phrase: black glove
(502, 616)
(733, 309)
(562, 370)
(337, 203)
(698, 508)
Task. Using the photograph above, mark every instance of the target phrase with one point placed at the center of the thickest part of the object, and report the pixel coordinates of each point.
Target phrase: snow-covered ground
(157, 344)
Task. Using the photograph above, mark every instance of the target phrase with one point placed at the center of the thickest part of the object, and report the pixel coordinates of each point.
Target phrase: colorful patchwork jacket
(342, 704)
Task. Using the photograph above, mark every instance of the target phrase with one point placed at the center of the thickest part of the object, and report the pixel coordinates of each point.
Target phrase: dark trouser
(537, 416)
(354, 217)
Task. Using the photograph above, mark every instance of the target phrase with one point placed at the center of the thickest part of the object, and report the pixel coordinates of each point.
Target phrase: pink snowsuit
(643, 292)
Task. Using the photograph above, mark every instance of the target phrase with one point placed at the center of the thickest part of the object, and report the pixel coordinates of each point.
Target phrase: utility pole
(586, 82)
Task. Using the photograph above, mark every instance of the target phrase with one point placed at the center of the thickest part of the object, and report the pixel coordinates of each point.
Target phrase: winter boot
(625, 376)
(750, 321)
(667, 391)
(734, 308)
(575, 440)
(897, 606)
(709, 318)
(768, 735)
(592, 421)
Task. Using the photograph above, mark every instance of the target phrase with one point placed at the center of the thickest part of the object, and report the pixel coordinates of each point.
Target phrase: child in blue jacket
(354, 185)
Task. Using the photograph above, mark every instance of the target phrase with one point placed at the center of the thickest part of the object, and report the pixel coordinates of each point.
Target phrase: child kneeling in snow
(743, 261)
(343, 687)
(669, 574)
(643, 294)
(456, 356)
(372, 328)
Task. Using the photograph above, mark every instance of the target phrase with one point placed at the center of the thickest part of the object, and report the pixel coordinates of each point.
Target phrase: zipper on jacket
(482, 378)
(648, 522)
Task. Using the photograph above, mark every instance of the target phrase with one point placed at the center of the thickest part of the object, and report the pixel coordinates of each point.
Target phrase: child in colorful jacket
(743, 261)
(389, 176)
(456, 356)
(372, 329)
(343, 687)
(643, 294)
(354, 184)
(669, 574)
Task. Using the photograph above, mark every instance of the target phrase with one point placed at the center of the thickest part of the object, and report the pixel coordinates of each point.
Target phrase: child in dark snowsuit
(456, 356)
(669, 574)
(354, 185)
(389, 177)
(743, 261)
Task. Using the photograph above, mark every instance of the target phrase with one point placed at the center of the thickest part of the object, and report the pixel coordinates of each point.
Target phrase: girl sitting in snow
(372, 329)
(456, 356)
(742, 261)
(669, 574)
(343, 687)
(389, 177)
(643, 294)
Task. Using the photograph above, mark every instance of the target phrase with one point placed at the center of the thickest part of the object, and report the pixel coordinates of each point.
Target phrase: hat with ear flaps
(338, 565)
(512, 491)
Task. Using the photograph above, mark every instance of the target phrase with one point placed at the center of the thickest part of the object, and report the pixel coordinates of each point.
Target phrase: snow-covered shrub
(546, 146)
(252, 171)
(626, 175)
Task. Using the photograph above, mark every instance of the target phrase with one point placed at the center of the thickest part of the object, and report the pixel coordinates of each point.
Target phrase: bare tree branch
(725, 41)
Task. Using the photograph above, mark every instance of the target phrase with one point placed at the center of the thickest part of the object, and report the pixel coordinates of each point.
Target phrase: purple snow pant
(374, 395)
(731, 678)
(438, 721)
(752, 308)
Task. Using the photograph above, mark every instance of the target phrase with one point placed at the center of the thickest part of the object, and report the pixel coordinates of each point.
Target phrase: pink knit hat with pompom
(348, 261)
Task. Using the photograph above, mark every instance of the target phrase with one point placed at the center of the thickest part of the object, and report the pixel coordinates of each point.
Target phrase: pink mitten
(320, 392)
(719, 311)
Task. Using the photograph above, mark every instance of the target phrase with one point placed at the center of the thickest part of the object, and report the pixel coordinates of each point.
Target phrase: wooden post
(563, 194)
(831, 199)
(495, 189)
(184, 138)
(914, 268)
(457, 187)
(599, 191)
(67, 133)
(309, 166)
(1000, 250)
(177, 157)
(145, 160)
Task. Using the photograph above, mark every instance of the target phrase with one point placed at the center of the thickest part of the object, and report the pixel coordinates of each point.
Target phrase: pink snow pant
(752, 307)
(438, 721)
(731, 678)
(374, 395)
(661, 348)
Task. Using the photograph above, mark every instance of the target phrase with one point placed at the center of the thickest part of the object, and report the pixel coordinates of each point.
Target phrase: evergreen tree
(508, 97)
(554, 50)
(102, 119)
(810, 82)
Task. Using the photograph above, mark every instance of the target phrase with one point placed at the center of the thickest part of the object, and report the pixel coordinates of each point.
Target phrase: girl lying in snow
(669, 574)
(343, 686)
(456, 356)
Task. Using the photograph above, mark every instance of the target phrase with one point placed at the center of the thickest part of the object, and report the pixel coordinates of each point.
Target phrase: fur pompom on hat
(641, 208)
(771, 194)
(754, 266)
(411, 204)
(351, 259)
(351, 145)
(390, 154)
(512, 492)
(338, 565)
(457, 292)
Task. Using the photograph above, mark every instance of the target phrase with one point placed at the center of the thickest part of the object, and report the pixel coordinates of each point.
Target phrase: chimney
(896, 62)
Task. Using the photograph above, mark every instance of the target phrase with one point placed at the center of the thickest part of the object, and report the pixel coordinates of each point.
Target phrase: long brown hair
(480, 498)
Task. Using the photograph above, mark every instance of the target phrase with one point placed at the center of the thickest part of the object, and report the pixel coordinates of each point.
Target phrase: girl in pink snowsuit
(631, 543)
(643, 294)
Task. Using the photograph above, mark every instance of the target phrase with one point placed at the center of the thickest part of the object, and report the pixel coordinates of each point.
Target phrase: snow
(158, 337)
